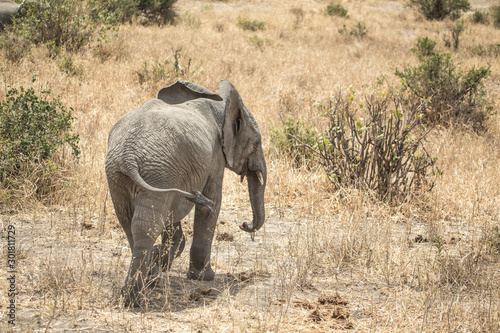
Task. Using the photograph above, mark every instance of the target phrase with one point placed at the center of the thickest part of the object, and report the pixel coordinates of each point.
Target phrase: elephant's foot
(206, 274)
(137, 294)
(132, 298)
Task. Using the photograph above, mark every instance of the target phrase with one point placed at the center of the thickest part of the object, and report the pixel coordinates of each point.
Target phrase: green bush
(334, 9)
(120, 10)
(260, 42)
(157, 71)
(455, 96)
(32, 129)
(480, 17)
(492, 50)
(453, 38)
(377, 146)
(153, 70)
(252, 25)
(495, 14)
(359, 30)
(425, 47)
(57, 24)
(67, 65)
(494, 239)
(292, 141)
(440, 9)
(145, 11)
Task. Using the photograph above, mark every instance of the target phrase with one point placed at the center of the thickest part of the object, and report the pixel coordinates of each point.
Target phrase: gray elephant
(8, 10)
(169, 156)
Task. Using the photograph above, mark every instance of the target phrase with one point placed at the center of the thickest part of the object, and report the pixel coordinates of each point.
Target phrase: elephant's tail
(195, 196)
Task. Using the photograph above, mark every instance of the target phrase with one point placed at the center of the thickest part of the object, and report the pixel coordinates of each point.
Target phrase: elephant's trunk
(256, 188)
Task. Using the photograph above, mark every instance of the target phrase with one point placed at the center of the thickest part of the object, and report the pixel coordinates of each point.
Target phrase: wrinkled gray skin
(8, 10)
(159, 156)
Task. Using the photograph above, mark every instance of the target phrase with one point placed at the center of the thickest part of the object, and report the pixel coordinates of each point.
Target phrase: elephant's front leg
(203, 234)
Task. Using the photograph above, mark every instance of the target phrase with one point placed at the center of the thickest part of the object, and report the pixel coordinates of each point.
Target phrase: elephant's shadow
(176, 293)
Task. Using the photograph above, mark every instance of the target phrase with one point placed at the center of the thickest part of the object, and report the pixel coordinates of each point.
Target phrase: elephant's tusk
(261, 179)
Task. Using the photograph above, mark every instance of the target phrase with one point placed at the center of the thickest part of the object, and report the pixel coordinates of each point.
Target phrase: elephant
(8, 10)
(169, 156)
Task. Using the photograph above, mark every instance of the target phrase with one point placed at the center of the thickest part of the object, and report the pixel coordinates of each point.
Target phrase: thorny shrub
(32, 129)
(455, 96)
(382, 150)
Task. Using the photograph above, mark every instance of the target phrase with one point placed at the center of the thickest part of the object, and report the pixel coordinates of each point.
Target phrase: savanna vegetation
(382, 137)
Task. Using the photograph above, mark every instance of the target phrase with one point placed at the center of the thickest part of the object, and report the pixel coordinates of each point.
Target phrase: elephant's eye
(256, 145)
(237, 126)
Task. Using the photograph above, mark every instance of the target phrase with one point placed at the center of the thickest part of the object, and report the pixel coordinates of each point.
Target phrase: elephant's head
(241, 139)
(243, 151)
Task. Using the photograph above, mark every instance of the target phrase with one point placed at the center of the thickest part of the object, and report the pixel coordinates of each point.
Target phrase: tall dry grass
(426, 265)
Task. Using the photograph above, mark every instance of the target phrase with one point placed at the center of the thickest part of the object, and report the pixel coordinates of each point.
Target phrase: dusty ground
(71, 268)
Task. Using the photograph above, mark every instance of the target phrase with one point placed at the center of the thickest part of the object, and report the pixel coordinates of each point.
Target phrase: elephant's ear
(183, 91)
(232, 118)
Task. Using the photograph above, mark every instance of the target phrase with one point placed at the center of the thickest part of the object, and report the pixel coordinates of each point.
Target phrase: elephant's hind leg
(124, 205)
(146, 226)
(172, 245)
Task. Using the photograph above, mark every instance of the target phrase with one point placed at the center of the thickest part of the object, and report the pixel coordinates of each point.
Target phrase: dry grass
(423, 266)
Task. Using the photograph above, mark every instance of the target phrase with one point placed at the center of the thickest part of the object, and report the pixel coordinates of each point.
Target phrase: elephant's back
(156, 120)
(158, 136)
(7, 9)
